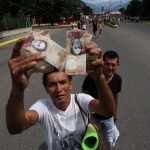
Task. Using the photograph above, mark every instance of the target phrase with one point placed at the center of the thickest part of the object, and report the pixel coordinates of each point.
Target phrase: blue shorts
(109, 130)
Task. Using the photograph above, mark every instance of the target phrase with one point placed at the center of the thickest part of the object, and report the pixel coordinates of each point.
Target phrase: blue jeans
(109, 130)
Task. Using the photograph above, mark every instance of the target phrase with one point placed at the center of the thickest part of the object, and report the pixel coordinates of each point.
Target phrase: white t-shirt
(63, 130)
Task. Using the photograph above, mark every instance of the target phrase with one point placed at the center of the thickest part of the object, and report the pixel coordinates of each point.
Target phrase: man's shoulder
(42, 102)
(116, 80)
(88, 81)
(117, 76)
(88, 77)
(41, 106)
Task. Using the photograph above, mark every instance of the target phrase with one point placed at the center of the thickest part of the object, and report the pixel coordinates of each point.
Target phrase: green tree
(4, 7)
(145, 11)
(48, 10)
(134, 7)
(122, 10)
(139, 8)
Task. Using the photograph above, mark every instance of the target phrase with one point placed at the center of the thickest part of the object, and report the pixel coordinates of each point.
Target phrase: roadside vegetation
(19, 14)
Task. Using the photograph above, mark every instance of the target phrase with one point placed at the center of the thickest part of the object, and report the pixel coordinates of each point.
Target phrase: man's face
(110, 66)
(59, 87)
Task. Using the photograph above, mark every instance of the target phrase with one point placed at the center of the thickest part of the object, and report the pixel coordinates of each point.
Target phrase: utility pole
(110, 5)
(101, 7)
(120, 3)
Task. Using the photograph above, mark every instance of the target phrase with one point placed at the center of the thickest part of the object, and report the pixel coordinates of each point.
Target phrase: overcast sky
(100, 1)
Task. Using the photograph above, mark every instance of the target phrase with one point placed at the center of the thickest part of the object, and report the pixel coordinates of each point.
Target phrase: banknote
(76, 40)
(55, 54)
(72, 59)
(80, 64)
(43, 66)
(75, 64)
(45, 33)
(78, 61)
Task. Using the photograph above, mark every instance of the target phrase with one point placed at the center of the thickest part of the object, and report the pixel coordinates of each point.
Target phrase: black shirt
(89, 85)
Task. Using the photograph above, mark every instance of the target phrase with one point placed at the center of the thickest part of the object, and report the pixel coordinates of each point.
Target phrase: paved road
(131, 40)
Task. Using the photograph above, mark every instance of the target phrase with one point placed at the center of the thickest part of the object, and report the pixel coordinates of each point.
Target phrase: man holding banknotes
(59, 116)
(114, 81)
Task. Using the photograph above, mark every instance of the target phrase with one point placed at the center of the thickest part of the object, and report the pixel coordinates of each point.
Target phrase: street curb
(9, 33)
(31, 28)
(50, 27)
(8, 42)
(12, 41)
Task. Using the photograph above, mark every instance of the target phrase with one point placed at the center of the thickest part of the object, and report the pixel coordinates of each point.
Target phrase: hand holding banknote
(77, 58)
(82, 52)
(95, 66)
(93, 57)
(55, 54)
(21, 65)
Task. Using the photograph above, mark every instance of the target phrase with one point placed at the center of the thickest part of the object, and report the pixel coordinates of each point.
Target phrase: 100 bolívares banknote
(75, 64)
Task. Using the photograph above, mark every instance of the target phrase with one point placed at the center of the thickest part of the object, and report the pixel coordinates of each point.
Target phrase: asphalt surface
(131, 41)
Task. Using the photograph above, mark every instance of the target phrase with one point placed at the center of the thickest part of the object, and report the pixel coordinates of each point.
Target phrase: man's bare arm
(106, 103)
(17, 118)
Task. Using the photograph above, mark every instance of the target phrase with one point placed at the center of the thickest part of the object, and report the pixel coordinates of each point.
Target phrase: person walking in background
(59, 116)
(94, 24)
(100, 26)
(118, 21)
(79, 24)
(83, 23)
(90, 22)
(111, 64)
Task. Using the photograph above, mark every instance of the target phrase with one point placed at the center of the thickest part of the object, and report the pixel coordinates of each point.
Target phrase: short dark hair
(45, 77)
(111, 54)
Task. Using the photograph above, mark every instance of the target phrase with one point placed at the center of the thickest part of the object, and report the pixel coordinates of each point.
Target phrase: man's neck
(108, 78)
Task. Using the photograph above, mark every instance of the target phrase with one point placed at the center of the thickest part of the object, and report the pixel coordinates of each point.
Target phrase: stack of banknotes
(72, 59)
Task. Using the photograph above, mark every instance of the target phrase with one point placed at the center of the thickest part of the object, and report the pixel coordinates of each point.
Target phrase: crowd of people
(59, 116)
(96, 22)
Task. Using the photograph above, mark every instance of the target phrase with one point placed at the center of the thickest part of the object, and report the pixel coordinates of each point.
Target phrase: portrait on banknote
(39, 45)
(74, 41)
(76, 46)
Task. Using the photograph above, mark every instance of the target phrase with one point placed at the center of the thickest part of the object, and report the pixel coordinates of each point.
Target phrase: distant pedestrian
(94, 24)
(100, 26)
(118, 20)
(79, 24)
(83, 24)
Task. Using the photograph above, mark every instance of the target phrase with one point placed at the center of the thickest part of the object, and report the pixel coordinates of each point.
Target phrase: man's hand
(20, 65)
(92, 48)
(96, 59)
(106, 104)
